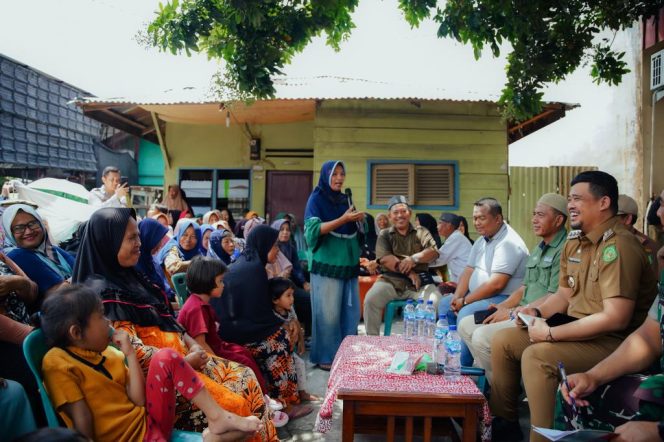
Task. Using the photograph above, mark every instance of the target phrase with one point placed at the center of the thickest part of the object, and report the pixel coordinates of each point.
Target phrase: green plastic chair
(390, 311)
(34, 349)
(180, 285)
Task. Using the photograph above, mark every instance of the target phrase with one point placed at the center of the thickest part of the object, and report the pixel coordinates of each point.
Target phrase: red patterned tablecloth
(361, 364)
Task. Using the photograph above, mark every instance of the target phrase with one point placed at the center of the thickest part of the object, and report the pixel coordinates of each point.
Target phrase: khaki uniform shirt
(391, 242)
(606, 263)
(543, 268)
(650, 248)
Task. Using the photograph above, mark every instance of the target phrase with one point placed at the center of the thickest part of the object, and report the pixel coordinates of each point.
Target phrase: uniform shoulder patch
(610, 253)
(573, 234)
(608, 234)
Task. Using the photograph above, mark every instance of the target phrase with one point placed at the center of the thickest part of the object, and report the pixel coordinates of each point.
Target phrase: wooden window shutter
(434, 185)
(388, 180)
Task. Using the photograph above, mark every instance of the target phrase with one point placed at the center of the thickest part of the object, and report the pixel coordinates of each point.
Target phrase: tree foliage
(548, 39)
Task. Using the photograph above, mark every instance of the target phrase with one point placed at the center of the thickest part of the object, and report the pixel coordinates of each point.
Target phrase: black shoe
(503, 430)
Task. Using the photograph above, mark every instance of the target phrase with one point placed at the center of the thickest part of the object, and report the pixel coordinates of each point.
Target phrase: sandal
(325, 367)
(308, 397)
(273, 404)
(279, 419)
(299, 411)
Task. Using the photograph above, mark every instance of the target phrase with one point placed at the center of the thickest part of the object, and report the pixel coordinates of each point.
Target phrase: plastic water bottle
(430, 321)
(420, 320)
(409, 320)
(439, 342)
(453, 354)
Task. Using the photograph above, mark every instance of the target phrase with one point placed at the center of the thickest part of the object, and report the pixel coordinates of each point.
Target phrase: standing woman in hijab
(29, 247)
(246, 317)
(106, 262)
(331, 232)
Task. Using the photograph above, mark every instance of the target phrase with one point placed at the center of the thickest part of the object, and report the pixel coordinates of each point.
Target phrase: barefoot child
(281, 291)
(106, 400)
(205, 281)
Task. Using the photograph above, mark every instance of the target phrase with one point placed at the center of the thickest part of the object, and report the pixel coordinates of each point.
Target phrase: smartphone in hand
(526, 319)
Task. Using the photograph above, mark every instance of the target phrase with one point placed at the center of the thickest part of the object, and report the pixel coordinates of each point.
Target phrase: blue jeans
(335, 305)
(455, 318)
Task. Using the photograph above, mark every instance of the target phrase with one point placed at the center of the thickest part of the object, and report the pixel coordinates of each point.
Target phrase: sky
(92, 44)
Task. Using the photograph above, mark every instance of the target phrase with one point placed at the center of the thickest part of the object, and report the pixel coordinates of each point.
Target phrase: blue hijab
(204, 228)
(151, 233)
(326, 204)
(186, 255)
(215, 250)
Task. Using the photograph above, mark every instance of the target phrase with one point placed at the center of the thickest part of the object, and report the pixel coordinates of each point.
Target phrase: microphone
(349, 195)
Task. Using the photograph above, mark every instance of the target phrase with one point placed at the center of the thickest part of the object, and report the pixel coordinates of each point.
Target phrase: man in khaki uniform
(606, 284)
(402, 251)
(628, 211)
(542, 275)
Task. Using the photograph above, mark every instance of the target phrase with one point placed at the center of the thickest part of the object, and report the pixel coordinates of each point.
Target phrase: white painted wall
(603, 132)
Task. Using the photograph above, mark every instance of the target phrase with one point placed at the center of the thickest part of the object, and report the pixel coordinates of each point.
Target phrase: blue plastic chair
(179, 281)
(34, 349)
(390, 310)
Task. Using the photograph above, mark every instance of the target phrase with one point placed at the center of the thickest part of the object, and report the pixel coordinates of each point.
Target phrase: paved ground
(302, 429)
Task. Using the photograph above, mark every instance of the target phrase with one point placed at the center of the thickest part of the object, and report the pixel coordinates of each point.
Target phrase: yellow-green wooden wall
(473, 134)
(355, 131)
(199, 146)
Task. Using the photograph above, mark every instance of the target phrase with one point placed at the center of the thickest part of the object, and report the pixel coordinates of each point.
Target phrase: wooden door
(287, 191)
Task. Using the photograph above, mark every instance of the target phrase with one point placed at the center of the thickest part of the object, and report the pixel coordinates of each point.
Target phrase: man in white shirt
(456, 249)
(496, 267)
(113, 193)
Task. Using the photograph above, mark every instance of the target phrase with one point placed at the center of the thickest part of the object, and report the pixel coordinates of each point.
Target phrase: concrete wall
(217, 147)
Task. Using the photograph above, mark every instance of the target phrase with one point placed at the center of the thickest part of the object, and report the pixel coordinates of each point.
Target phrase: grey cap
(627, 205)
(554, 201)
(451, 218)
(397, 199)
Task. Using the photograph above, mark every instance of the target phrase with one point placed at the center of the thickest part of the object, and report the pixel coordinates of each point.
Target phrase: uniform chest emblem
(610, 253)
(571, 282)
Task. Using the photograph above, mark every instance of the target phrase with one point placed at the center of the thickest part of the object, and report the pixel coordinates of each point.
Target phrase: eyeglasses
(18, 229)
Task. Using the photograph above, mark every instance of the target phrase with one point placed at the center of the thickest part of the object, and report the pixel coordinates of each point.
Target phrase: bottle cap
(442, 316)
(430, 302)
(453, 327)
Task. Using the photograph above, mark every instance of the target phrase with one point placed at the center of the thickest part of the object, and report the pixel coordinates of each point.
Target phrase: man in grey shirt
(496, 267)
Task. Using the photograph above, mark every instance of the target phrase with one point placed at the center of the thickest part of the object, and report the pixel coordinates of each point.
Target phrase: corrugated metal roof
(38, 128)
(315, 88)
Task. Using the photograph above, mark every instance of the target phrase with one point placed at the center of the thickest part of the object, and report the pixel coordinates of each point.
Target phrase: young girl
(281, 291)
(205, 281)
(106, 400)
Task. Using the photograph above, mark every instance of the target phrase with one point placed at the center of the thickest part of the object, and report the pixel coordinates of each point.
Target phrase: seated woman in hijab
(297, 235)
(246, 317)
(18, 296)
(302, 297)
(206, 231)
(175, 256)
(29, 247)
(211, 217)
(105, 263)
(153, 237)
(222, 246)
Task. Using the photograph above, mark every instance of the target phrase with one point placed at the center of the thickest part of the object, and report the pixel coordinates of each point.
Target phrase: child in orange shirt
(99, 396)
